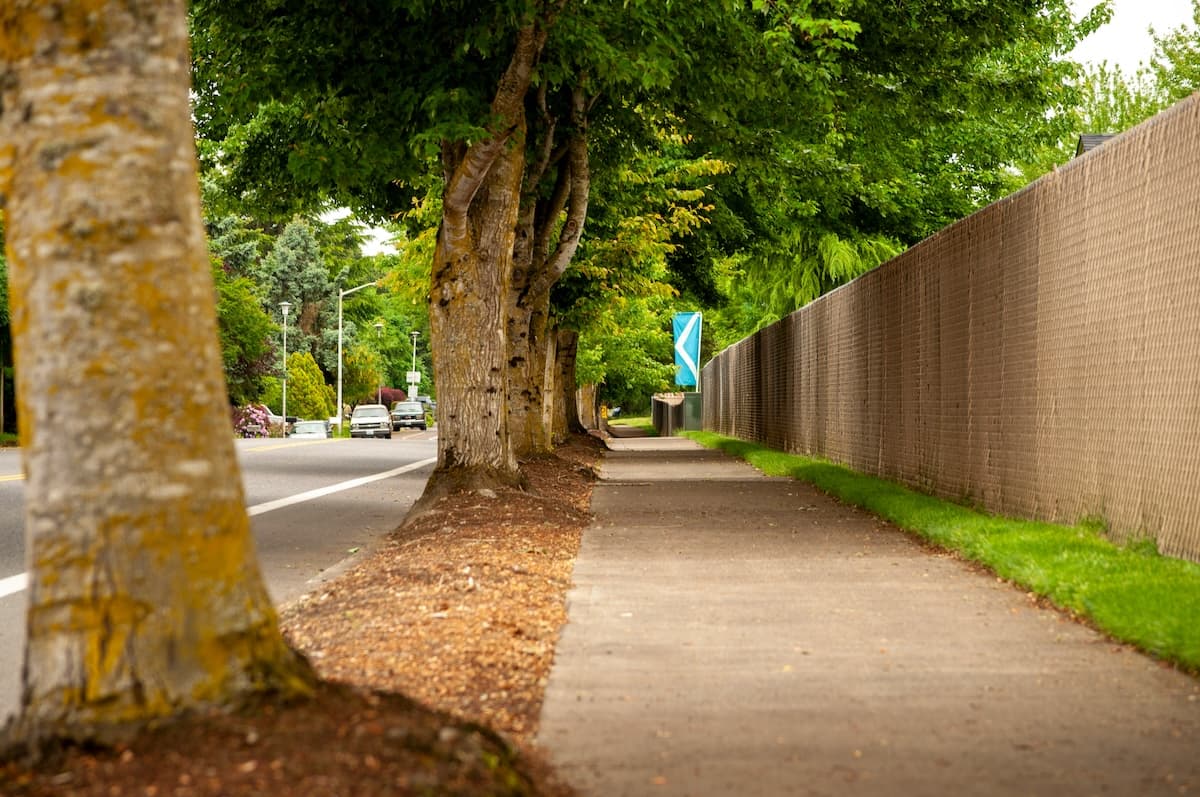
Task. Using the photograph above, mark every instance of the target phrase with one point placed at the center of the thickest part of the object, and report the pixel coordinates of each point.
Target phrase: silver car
(310, 430)
(371, 420)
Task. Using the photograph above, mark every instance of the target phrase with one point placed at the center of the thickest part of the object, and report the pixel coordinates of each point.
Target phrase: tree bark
(472, 275)
(528, 391)
(566, 407)
(536, 270)
(145, 597)
(551, 396)
(588, 403)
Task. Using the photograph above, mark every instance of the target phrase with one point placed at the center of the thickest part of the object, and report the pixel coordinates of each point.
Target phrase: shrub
(251, 421)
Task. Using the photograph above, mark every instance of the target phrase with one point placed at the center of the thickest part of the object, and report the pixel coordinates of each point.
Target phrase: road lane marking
(290, 444)
(14, 478)
(320, 492)
(14, 584)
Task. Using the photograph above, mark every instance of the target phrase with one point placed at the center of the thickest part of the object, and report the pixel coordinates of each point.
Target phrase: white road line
(14, 584)
(300, 498)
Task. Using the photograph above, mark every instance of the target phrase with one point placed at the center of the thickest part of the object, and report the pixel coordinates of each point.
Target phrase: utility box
(677, 412)
(693, 412)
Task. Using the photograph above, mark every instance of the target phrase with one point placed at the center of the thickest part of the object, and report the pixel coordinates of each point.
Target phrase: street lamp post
(378, 336)
(285, 306)
(341, 295)
(414, 378)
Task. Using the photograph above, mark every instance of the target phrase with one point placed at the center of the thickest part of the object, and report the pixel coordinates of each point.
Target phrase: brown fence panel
(1039, 358)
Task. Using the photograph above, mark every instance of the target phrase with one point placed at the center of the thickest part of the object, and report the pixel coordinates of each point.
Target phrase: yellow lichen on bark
(145, 596)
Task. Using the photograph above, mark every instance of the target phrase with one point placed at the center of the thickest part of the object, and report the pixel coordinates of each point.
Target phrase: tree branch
(508, 108)
(580, 187)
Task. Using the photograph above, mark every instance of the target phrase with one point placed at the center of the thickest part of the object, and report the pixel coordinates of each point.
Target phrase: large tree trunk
(472, 275)
(145, 596)
(466, 319)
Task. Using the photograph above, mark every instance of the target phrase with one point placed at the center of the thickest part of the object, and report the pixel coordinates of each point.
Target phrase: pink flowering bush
(251, 421)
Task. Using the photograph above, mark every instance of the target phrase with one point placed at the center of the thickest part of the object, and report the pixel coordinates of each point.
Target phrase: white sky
(1125, 41)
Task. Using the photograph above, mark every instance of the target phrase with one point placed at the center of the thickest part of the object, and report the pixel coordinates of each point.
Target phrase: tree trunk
(588, 401)
(566, 414)
(467, 328)
(471, 279)
(537, 270)
(550, 396)
(528, 357)
(145, 597)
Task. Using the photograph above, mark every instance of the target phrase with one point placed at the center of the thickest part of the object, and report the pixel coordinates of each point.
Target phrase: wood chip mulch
(461, 610)
(434, 654)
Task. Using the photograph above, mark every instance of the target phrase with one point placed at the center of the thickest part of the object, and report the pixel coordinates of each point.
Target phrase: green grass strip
(1130, 592)
(638, 422)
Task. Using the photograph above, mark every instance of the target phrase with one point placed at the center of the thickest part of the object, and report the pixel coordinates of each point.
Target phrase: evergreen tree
(308, 396)
(294, 271)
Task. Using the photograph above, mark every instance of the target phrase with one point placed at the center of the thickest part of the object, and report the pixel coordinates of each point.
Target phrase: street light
(285, 306)
(414, 378)
(341, 295)
(378, 336)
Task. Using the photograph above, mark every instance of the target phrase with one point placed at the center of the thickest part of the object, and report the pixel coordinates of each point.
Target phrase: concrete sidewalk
(733, 634)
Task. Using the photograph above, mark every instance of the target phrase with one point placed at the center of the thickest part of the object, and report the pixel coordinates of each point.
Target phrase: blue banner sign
(687, 348)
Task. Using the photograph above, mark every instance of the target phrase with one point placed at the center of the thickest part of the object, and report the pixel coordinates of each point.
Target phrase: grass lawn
(642, 422)
(1130, 592)
(7, 440)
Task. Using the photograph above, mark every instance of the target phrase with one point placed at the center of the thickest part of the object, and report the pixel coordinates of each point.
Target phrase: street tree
(618, 296)
(508, 153)
(145, 597)
(512, 109)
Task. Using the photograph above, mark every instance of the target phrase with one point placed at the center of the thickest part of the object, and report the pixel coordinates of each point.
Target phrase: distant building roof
(1089, 141)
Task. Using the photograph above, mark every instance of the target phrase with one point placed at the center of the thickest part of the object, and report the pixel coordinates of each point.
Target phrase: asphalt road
(316, 506)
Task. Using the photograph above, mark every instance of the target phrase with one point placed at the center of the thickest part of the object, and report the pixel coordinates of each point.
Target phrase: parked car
(408, 413)
(371, 420)
(318, 430)
(284, 425)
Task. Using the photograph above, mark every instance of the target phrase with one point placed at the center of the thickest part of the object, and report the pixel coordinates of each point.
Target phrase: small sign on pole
(687, 349)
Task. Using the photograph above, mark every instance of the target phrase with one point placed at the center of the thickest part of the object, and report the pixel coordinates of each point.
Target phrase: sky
(1125, 41)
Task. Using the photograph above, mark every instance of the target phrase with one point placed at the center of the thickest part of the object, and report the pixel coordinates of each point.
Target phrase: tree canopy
(846, 130)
